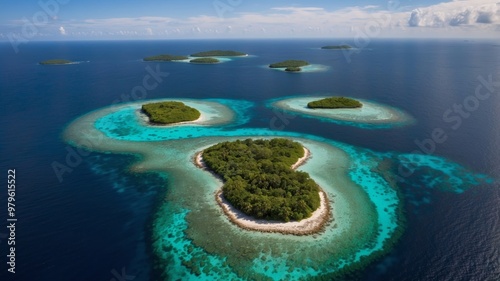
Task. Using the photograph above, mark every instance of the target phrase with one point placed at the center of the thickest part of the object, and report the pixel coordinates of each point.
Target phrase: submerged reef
(192, 239)
(365, 114)
(56, 62)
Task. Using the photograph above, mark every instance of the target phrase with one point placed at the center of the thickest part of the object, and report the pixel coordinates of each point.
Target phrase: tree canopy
(218, 53)
(165, 57)
(259, 181)
(170, 112)
(204, 60)
(335, 102)
(336, 47)
(293, 69)
(289, 63)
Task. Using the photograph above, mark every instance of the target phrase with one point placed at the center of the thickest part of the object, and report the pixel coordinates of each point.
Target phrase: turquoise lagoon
(193, 240)
(371, 115)
(304, 69)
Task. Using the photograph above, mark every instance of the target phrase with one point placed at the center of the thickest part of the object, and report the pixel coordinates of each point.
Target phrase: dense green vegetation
(336, 47)
(335, 102)
(165, 57)
(259, 180)
(169, 112)
(289, 63)
(204, 60)
(293, 69)
(219, 53)
(56, 61)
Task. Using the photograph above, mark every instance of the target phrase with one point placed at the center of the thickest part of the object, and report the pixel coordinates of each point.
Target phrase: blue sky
(171, 19)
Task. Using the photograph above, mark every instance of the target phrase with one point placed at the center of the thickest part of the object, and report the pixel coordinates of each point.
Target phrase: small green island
(290, 65)
(56, 62)
(336, 47)
(205, 60)
(219, 53)
(169, 112)
(259, 181)
(165, 57)
(335, 102)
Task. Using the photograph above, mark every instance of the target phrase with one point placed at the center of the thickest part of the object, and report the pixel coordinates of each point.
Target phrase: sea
(94, 220)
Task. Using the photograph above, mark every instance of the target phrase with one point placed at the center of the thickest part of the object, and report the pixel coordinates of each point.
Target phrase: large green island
(56, 62)
(169, 112)
(259, 179)
(336, 47)
(219, 53)
(165, 57)
(335, 102)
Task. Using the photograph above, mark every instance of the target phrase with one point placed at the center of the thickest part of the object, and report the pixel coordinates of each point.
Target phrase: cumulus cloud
(456, 13)
(149, 31)
(62, 31)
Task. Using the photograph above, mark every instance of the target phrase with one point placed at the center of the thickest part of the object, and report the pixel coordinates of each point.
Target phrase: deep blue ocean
(94, 224)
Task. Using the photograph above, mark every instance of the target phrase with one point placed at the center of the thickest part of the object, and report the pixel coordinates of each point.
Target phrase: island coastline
(145, 118)
(308, 226)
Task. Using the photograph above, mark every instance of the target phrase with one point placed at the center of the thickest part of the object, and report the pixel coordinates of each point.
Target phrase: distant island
(291, 65)
(219, 53)
(165, 57)
(335, 102)
(336, 47)
(169, 112)
(260, 180)
(205, 60)
(56, 62)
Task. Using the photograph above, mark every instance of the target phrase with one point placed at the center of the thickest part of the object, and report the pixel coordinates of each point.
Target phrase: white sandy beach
(311, 225)
(303, 159)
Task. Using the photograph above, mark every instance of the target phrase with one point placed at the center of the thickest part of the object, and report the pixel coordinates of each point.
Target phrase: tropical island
(169, 112)
(56, 62)
(336, 47)
(290, 64)
(165, 57)
(219, 53)
(261, 184)
(293, 69)
(205, 60)
(335, 102)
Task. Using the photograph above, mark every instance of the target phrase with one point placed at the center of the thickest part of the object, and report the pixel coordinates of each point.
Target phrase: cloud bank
(456, 13)
(458, 18)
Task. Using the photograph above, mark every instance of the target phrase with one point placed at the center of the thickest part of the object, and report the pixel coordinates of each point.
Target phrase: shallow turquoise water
(305, 69)
(185, 252)
(371, 115)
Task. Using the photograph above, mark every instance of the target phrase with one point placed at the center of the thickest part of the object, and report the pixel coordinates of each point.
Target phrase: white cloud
(462, 17)
(456, 13)
(299, 9)
(139, 21)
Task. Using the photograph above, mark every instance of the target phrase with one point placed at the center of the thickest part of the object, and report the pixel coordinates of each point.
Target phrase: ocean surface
(93, 222)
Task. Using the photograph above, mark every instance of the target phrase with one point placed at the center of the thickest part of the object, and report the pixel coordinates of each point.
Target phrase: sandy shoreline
(314, 224)
(303, 159)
